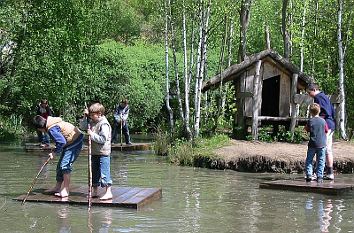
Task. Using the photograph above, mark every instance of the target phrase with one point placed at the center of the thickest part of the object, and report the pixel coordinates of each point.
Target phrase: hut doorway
(270, 96)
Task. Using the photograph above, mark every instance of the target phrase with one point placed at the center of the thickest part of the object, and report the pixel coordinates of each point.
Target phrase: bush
(11, 128)
(161, 143)
(186, 152)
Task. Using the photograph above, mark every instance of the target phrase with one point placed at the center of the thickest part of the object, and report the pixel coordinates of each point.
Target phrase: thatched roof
(235, 70)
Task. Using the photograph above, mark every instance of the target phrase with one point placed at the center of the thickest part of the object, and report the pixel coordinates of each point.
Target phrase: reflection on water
(194, 200)
(324, 209)
(98, 220)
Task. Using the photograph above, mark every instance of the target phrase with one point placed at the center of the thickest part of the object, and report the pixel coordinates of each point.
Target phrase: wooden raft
(327, 187)
(33, 147)
(131, 147)
(129, 197)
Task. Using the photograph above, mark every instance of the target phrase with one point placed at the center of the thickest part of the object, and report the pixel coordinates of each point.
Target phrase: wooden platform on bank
(35, 147)
(327, 187)
(129, 197)
(131, 147)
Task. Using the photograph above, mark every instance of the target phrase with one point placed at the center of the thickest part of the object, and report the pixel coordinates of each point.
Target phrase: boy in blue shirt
(68, 144)
(317, 143)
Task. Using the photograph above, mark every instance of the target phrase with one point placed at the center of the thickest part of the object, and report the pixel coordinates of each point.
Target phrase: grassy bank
(189, 153)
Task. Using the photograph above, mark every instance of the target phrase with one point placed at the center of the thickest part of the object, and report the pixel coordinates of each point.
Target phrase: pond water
(194, 200)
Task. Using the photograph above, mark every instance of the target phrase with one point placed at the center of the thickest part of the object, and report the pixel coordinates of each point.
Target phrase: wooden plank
(132, 147)
(35, 147)
(284, 95)
(327, 187)
(145, 196)
(130, 197)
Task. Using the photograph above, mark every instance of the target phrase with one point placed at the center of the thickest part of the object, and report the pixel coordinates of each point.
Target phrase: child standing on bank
(318, 128)
(100, 133)
(68, 144)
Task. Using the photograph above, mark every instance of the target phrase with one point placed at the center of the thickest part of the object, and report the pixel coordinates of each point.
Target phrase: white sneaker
(311, 178)
(329, 177)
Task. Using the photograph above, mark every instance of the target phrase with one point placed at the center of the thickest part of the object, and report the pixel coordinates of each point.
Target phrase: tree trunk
(245, 14)
(229, 60)
(186, 78)
(244, 22)
(204, 23)
(342, 116)
(220, 95)
(303, 37)
(178, 90)
(167, 97)
(285, 33)
(267, 37)
(314, 48)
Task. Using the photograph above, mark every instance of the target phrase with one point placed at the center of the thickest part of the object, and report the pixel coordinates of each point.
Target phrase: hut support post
(256, 101)
(294, 106)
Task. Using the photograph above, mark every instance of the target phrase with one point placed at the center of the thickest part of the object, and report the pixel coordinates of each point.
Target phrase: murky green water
(194, 200)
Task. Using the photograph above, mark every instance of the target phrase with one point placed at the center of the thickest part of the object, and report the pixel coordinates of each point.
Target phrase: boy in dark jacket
(328, 114)
(44, 110)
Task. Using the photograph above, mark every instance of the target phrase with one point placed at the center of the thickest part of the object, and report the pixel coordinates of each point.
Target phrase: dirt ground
(282, 152)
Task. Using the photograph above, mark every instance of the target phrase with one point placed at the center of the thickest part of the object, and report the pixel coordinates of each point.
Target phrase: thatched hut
(267, 88)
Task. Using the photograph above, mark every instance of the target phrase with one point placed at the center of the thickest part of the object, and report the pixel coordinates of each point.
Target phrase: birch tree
(245, 15)
(285, 32)
(167, 97)
(185, 75)
(175, 64)
(242, 53)
(303, 24)
(341, 121)
(201, 59)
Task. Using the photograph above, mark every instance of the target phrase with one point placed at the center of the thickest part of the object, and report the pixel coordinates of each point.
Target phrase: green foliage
(266, 135)
(186, 152)
(137, 74)
(286, 136)
(11, 127)
(162, 142)
(72, 52)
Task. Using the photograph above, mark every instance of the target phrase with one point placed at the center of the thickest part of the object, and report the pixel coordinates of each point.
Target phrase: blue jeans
(101, 171)
(68, 157)
(43, 137)
(116, 131)
(320, 161)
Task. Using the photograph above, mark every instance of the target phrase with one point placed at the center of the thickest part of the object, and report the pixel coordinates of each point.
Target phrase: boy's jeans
(320, 161)
(101, 172)
(68, 157)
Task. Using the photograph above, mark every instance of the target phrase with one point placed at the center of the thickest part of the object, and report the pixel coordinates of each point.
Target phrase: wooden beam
(293, 105)
(255, 101)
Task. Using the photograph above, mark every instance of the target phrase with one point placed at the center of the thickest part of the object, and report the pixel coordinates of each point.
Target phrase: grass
(187, 153)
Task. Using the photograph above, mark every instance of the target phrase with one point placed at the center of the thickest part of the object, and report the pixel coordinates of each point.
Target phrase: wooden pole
(256, 101)
(121, 129)
(89, 164)
(35, 179)
(90, 170)
(293, 105)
